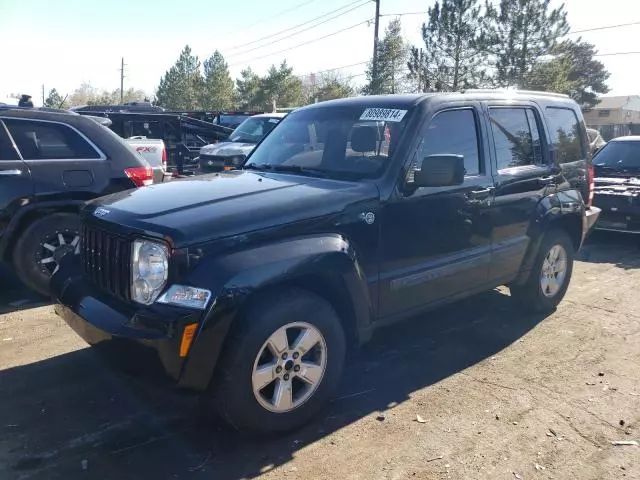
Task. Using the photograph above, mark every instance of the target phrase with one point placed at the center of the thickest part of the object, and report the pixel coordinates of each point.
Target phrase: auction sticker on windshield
(383, 114)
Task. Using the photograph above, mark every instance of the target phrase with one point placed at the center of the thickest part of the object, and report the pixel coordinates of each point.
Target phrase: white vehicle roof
(269, 115)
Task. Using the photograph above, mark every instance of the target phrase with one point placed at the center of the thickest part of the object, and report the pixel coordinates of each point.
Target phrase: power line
(333, 69)
(402, 14)
(603, 28)
(297, 26)
(296, 7)
(615, 54)
(300, 44)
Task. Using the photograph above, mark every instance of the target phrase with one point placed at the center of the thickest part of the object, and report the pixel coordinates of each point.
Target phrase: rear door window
(516, 137)
(564, 128)
(39, 140)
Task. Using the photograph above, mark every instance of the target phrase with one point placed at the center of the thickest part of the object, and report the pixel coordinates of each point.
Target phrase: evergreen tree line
(465, 44)
(190, 85)
(505, 43)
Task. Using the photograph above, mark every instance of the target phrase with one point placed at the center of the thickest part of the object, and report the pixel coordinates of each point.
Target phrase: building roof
(615, 103)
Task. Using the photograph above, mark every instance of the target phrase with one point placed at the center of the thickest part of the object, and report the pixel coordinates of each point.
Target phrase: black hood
(216, 206)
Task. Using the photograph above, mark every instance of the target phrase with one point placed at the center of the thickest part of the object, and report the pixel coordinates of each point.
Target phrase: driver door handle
(478, 194)
(550, 180)
(11, 173)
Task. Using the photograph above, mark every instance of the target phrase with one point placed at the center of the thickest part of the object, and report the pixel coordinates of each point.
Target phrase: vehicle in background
(152, 150)
(617, 185)
(232, 152)
(596, 142)
(131, 107)
(182, 136)
(252, 285)
(51, 163)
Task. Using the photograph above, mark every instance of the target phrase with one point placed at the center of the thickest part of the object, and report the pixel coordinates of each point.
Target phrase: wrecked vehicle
(617, 185)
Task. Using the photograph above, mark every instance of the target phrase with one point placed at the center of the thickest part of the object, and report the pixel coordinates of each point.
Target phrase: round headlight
(150, 262)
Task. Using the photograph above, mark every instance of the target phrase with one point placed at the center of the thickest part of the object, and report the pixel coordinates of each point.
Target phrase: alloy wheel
(54, 247)
(554, 271)
(289, 367)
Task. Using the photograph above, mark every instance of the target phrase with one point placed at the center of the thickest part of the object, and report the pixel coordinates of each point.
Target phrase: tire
(33, 249)
(532, 294)
(231, 392)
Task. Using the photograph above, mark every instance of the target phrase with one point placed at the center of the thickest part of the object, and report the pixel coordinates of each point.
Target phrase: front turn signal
(187, 339)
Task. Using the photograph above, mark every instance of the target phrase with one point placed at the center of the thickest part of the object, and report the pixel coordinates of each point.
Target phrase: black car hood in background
(216, 206)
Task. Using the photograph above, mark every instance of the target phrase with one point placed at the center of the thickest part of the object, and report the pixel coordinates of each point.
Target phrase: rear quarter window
(565, 133)
(38, 140)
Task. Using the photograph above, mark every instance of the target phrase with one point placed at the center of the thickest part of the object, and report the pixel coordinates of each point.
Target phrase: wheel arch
(25, 217)
(564, 211)
(329, 270)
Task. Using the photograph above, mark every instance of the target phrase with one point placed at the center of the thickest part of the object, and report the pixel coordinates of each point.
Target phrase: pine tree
(573, 71)
(333, 86)
(520, 33)
(182, 85)
(281, 87)
(218, 85)
(249, 95)
(385, 75)
(454, 55)
(55, 100)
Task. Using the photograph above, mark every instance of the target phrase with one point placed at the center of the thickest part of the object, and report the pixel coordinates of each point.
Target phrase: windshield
(232, 120)
(619, 155)
(340, 142)
(253, 129)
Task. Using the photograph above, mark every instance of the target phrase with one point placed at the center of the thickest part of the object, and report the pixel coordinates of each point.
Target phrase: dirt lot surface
(499, 395)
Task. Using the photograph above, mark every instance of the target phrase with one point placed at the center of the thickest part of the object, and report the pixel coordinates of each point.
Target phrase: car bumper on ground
(143, 340)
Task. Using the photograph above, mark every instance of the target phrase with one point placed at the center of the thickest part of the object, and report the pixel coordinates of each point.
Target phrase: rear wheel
(550, 276)
(281, 363)
(42, 245)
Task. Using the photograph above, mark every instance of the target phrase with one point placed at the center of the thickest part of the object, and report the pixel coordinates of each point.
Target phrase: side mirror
(440, 171)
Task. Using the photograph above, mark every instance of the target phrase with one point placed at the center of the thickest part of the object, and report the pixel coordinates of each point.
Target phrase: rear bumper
(144, 340)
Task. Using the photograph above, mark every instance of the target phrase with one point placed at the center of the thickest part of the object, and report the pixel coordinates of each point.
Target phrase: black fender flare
(234, 277)
(14, 226)
(566, 209)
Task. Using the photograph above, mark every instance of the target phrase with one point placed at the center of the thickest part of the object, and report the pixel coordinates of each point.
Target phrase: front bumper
(141, 339)
(620, 213)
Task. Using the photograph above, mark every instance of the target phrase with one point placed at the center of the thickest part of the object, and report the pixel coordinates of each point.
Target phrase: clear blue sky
(64, 43)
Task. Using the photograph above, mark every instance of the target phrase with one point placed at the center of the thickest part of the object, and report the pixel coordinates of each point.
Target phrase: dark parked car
(51, 162)
(252, 285)
(617, 185)
(232, 152)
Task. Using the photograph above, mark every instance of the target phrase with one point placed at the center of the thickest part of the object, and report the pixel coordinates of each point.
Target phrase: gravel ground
(477, 390)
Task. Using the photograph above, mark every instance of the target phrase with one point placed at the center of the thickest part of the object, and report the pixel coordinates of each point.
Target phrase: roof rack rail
(514, 90)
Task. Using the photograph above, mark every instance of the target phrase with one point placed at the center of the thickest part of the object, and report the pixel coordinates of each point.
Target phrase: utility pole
(374, 72)
(43, 94)
(122, 81)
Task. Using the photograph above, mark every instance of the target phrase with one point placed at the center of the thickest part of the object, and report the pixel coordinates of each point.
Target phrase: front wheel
(42, 245)
(550, 276)
(281, 363)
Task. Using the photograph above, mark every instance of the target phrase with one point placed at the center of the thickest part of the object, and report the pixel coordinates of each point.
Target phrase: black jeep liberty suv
(250, 285)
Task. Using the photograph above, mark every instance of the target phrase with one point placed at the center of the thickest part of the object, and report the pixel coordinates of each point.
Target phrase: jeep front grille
(106, 260)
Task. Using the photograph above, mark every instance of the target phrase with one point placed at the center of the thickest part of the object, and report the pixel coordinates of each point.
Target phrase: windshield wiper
(255, 166)
(312, 172)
